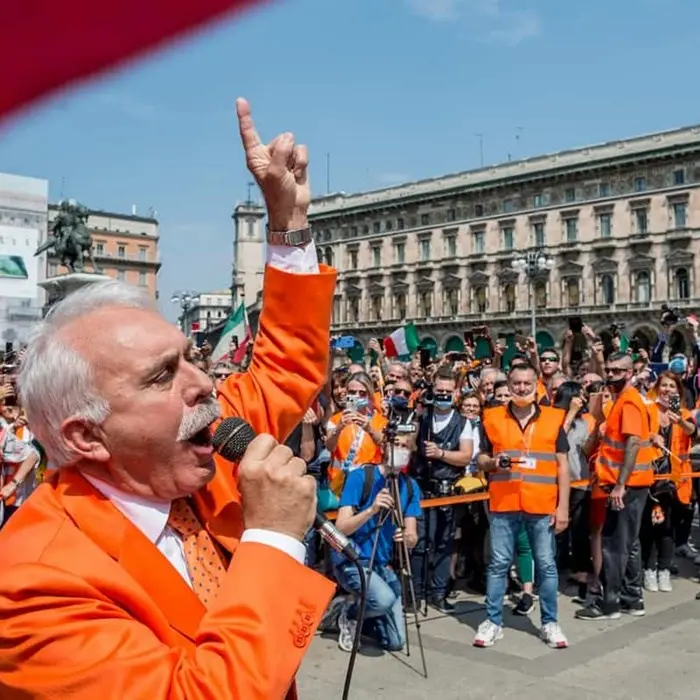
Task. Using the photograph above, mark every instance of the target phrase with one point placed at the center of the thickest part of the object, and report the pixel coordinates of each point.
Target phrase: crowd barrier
(461, 499)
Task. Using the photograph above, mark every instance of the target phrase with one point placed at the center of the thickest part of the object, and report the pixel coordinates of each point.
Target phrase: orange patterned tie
(204, 560)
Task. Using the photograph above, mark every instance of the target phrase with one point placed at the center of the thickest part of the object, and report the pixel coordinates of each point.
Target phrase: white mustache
(197, 419)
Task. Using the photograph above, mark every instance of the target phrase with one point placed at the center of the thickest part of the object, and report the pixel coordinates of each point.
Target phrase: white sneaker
(553, 637)
(487, 634)
(329, 621)
(687, 551)
(348, 628)
(665, 581)
(651, 580)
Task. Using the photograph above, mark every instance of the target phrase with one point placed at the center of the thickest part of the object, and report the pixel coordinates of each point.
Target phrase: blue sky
(393, 89)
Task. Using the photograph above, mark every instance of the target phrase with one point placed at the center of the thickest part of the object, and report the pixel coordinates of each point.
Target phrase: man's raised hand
(281, 170)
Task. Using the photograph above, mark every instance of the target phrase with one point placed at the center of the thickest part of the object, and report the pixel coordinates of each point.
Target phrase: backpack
(369, 482)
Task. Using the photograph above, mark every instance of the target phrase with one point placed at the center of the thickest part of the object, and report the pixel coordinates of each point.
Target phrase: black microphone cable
(358, 629)
(231, 440)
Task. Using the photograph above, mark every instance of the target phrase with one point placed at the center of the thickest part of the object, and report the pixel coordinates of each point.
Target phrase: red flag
(45, 44)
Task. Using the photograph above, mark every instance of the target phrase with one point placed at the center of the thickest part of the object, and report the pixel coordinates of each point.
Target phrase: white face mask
(402, 456)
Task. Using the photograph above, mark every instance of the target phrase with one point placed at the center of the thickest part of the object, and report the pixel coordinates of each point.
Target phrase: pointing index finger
(249, 135)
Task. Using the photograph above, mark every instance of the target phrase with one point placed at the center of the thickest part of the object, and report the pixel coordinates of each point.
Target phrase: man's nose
(197, 385)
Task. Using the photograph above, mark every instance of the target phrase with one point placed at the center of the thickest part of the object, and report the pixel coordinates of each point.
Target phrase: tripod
(427, 514)
(404, 558)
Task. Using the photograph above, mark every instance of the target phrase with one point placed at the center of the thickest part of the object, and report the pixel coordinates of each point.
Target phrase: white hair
(55, 381)
(498, 375)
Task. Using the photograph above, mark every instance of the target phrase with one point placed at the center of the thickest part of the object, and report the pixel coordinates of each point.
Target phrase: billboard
(19, 269)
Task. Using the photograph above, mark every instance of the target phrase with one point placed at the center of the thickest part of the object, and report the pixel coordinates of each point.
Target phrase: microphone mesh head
(232, 437)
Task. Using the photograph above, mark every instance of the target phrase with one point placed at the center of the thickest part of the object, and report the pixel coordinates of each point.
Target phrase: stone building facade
(620, 220)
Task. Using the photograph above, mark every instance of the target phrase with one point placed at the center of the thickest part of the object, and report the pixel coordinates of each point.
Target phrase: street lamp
(185, 299)
(532, 263)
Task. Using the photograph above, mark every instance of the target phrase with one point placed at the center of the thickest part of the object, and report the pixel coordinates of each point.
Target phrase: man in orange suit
(148, 569)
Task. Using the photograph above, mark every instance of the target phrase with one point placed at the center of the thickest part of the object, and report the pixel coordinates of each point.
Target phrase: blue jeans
(384, 610)
(504, 532)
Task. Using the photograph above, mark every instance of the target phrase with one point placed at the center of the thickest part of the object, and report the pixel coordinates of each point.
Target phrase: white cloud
(436, 10)
(493, 19)
(128, 106)
(516, 28)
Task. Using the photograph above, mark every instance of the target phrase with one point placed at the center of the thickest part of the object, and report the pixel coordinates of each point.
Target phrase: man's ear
(84, 440)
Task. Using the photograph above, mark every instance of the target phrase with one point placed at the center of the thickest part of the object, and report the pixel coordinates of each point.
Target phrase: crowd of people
(585, 455)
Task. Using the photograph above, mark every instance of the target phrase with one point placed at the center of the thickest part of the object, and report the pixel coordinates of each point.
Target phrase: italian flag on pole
(403, 341)
(236, 327)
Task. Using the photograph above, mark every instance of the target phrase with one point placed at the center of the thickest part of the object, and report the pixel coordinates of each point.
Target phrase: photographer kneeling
(366, 516)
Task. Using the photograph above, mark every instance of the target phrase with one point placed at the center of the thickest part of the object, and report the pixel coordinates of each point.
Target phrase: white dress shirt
(151, 517)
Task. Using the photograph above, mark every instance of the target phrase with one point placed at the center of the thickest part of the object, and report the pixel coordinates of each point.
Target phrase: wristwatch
(296, 238)
(16, 483)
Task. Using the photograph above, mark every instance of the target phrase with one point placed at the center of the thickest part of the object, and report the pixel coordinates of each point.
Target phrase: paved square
(657, 656)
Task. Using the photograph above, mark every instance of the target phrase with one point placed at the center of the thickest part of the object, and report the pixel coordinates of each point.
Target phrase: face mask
(443, 402)
(402, 456)
(523, 401)
(399, 402)
(617, 385)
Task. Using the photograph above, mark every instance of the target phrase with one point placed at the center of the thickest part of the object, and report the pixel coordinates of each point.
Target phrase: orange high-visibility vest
(679, 446)
(530, 486)
(612, 444)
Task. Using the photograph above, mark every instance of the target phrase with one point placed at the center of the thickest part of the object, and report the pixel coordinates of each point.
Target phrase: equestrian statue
(69, 237)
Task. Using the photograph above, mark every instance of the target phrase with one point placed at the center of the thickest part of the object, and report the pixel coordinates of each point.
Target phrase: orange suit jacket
(91, 610)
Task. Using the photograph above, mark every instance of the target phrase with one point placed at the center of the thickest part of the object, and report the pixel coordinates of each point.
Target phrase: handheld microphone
(232, 438)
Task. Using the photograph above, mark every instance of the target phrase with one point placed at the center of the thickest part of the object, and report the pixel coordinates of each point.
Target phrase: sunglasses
(402, 392)
(549, 359)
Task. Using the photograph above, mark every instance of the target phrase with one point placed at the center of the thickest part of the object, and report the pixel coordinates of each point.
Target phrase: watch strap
(295, 238)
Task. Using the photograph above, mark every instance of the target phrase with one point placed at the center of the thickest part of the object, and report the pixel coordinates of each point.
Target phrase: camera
(505, 462)
(616, 328)
(669, 316)
(441, 487)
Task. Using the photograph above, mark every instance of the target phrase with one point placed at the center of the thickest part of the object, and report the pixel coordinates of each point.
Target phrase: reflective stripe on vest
(611, 456)
(680, 459)
(530, 486)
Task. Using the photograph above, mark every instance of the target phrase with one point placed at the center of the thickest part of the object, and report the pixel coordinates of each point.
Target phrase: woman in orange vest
(356, 434)
(675, 429)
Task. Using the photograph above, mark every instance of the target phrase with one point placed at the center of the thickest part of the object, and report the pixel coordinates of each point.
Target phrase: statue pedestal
(59, 287)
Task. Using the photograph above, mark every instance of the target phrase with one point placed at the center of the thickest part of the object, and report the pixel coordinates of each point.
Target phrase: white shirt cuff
(291, 259)
(284, 543)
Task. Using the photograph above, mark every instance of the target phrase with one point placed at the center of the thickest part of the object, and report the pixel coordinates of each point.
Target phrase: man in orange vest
(524, 449)
(623, 468)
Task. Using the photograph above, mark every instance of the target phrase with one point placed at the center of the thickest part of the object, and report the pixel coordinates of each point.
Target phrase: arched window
(573, 292)
(607, 285)
(329, 256)
(480, 299)
(509, 298)
(682, 283)
(643, 287)
(541, 295)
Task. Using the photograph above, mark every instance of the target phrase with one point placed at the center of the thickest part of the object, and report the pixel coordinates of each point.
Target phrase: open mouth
(201, 438)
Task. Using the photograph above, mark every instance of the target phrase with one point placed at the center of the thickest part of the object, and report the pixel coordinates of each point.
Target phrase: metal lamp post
(185, 299)
(532, 263)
